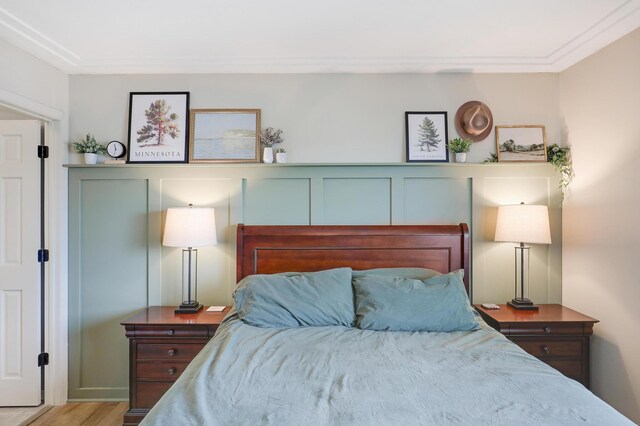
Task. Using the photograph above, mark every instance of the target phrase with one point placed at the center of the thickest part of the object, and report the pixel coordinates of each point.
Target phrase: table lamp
(523, 224)
(189, 227)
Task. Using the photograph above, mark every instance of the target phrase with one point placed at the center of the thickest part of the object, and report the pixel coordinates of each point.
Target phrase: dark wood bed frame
(273, 249)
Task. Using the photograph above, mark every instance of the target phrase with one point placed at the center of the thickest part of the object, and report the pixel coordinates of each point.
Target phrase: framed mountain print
(225, 136)
(426, 137)
(521, 143)
(158, 127)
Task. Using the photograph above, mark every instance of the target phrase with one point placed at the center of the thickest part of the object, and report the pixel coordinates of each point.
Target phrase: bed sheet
(346, 376)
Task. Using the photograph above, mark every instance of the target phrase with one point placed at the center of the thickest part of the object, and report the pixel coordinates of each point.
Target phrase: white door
(19, 268)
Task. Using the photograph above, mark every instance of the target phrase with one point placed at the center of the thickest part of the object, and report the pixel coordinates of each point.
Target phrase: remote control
(490, 306)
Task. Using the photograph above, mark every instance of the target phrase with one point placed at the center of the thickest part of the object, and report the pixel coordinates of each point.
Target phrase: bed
(344, 375)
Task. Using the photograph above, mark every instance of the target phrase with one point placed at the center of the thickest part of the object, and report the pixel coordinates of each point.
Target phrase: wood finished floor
(83, 413)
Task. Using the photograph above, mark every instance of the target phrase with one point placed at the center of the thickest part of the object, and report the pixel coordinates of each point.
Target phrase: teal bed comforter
(338, 375)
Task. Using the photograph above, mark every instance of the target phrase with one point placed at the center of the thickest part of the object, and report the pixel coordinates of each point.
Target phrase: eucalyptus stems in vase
(269, 138)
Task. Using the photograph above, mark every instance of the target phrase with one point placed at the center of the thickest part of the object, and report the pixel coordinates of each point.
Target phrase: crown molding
(309, 65)
(615, 25)
(21, 34)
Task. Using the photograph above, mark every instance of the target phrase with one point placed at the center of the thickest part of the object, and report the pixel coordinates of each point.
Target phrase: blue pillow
(415, 273)
(296, 299)
(403, 304)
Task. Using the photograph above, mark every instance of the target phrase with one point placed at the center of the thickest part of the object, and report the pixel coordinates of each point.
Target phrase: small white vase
(281, 157)
(461, 157)
(90, 158)
(267, 156)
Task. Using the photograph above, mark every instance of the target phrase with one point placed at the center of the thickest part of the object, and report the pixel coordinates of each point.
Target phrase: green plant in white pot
(460, 147)
(90, 148)
(281, 155)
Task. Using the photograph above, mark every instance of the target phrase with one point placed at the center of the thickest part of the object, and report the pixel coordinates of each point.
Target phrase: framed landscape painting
(426, 136)
(225, 136)
(158, 127)
(521, 143)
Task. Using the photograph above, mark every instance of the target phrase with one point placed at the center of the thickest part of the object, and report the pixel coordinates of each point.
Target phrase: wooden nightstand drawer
(556, 335)
(148, 393)
(553, 348)
(170, 331)
(169, 371)
(571, 369)
(168, 351)
(549, 329)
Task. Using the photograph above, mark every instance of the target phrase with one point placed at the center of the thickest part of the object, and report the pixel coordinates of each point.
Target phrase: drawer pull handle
(171, 371)
(170, 332)
(171, 352)
(546, 349)
(547, 329)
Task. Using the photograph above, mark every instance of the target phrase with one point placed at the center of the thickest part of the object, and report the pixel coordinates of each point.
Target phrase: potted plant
(560, 157)
(460, 147)
(269, 138)
(90, 148)
(281, 155)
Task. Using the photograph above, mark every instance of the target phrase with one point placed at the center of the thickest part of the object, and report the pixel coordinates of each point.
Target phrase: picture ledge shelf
(275, 165)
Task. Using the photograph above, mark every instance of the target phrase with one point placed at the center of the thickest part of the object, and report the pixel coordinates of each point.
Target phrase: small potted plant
(281, 155)
(460, 147)
(269, 138)
(90, 148)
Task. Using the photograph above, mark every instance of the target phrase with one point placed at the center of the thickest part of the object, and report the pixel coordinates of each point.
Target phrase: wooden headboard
(273, 249)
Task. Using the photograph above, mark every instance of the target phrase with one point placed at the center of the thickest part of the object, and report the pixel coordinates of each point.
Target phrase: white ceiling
(209, 36)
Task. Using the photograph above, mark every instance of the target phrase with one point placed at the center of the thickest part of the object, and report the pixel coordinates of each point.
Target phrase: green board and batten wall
(118, 266)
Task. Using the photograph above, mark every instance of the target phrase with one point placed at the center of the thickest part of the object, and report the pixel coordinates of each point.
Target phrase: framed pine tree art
(158, 127)
(427, 137)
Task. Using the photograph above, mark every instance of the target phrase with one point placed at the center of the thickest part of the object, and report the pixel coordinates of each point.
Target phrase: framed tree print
(158, 127)
(426, 137)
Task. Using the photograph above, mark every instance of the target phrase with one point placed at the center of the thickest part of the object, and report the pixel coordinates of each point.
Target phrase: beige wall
(327, 118)
(601, 231)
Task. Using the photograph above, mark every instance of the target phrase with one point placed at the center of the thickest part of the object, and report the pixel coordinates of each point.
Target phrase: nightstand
(554, 334)
(161, 345)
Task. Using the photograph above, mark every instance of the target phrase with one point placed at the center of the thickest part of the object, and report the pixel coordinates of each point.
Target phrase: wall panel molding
(272, 194)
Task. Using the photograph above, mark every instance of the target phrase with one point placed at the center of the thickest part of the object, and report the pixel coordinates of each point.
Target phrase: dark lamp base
(522, 304)
(188, 308)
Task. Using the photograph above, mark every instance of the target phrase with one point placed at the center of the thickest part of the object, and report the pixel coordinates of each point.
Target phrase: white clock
(116, 149)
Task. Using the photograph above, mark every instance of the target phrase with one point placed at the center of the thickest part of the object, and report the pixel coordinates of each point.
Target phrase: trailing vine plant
(492, 158)
(560, 157)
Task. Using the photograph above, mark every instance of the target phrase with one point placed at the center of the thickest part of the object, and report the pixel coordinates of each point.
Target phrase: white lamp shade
(190, 227)
(522, 223)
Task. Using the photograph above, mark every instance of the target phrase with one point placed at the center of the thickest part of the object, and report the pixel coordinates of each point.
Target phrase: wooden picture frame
(426, 137)
(523, 143)
(158, 127)
(225, 136)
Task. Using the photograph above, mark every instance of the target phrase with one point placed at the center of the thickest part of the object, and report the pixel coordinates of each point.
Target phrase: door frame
(56, 270)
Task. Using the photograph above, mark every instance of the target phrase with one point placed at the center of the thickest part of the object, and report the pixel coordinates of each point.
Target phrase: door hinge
(43, 255)
(43, 359)
(43, 151)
